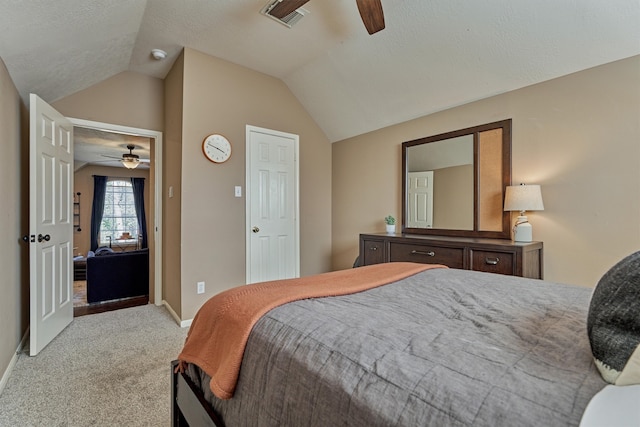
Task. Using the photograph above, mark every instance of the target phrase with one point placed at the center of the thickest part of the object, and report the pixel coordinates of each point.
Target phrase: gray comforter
(442, 348)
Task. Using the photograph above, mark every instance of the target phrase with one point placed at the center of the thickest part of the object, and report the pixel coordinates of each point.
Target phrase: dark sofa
(114, 275)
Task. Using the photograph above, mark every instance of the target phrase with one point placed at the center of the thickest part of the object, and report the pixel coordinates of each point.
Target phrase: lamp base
(522, 230)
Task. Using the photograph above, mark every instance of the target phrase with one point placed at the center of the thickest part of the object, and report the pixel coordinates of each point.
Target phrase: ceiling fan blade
(285, 7)
(371, 14)
(110, 157)
(114, 159)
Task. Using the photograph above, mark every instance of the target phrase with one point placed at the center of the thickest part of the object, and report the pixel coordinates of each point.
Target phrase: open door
(50, 223)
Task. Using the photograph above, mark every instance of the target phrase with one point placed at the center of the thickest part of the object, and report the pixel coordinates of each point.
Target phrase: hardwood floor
(101, 307)
(79, 293)
(81, 307)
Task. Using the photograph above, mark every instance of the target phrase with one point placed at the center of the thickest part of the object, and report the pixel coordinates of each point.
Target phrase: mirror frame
(505, 233)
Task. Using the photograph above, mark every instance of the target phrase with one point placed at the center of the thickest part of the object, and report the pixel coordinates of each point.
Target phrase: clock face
(216, 148)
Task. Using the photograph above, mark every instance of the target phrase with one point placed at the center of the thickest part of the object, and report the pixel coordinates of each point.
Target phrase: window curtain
(138, 200)
(97, 209)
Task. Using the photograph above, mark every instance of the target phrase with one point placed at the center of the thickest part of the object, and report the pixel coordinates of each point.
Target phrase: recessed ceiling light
(158, 54)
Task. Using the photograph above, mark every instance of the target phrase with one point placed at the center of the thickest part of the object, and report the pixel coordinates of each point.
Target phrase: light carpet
(107, 369)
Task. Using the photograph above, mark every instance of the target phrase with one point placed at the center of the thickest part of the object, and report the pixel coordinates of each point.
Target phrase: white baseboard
(182, 323)
(12, 363)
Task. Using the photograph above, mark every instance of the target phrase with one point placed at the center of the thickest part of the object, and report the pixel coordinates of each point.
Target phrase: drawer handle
(492, 261)
(430, 253)
(373, 248)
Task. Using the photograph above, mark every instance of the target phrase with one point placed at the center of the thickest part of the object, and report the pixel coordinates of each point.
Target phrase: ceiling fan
(370, 12)
(129, 160)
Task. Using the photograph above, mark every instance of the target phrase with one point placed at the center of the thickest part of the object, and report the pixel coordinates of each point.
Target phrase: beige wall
(206, 95)
(83, 183)
(126, 99)
(452, 198)
(172, 171)
(14, 307)
(577, 136)
(221, 97)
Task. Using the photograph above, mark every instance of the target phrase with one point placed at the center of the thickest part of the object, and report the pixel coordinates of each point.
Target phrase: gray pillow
(613, 323)
(103, 250)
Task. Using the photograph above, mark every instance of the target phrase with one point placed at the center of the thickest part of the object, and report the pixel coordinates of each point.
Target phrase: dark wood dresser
(488, 255)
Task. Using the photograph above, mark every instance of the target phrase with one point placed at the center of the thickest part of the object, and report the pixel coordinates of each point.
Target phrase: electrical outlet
(201, 287)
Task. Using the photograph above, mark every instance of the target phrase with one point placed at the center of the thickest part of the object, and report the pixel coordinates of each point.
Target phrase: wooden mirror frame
(505, 232)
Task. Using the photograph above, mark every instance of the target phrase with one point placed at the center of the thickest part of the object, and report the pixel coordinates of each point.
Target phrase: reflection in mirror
(454, 183)
(440, 184)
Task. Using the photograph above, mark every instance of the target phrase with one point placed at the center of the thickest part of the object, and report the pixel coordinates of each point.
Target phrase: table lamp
(523, 198)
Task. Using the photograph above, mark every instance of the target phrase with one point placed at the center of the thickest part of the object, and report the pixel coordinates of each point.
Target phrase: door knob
(46, 237)
(255, 229)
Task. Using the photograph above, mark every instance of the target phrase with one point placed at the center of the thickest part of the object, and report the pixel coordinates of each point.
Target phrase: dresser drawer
(451, 257)
(373, 252)
(493, 262)
(489, 255)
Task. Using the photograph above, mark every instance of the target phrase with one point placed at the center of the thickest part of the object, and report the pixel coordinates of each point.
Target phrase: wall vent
(290, 20)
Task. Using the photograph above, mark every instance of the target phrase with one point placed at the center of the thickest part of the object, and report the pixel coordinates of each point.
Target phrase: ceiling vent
(289, 20)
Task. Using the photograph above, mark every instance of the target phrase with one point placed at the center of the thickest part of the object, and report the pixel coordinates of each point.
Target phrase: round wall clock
(216, 148)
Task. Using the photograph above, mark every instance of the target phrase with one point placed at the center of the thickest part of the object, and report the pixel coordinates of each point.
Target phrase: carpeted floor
(107, 369)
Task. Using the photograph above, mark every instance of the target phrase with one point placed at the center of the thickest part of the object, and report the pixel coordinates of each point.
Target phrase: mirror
(454, 183)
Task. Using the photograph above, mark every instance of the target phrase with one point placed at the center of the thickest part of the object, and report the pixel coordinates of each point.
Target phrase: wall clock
(216, 148)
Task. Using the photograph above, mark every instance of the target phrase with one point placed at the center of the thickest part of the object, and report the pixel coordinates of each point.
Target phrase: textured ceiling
(433, 54)
(97, 147)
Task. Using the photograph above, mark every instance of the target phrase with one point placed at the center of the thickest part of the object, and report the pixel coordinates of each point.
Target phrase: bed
(441, 347)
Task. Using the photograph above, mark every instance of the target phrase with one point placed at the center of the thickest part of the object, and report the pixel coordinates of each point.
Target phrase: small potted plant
(390, 221)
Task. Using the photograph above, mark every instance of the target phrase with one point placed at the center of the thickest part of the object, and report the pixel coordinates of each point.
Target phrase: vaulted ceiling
(432, 55)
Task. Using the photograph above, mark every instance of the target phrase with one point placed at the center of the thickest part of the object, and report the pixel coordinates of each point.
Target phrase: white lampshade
(523, 198)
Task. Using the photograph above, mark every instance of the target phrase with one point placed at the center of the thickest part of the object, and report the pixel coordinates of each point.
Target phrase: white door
(420, 199)
(50, 223)
(272, 205)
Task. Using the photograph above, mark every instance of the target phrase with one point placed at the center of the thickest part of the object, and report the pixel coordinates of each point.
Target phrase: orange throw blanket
(220, 329)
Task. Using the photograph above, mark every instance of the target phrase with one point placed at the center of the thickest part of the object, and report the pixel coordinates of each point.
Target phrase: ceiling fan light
(130, 163)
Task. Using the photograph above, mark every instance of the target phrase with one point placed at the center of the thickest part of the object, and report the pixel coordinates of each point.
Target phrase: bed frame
(188, 405)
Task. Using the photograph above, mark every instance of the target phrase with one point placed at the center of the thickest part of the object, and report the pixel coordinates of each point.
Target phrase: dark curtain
(138, 201)
(97, 209)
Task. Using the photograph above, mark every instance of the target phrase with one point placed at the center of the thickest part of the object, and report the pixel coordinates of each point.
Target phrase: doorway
(272, 205)
(118, 140)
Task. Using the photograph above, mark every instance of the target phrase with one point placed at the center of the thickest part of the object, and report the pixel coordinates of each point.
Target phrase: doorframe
(296, 150)
(157, 191)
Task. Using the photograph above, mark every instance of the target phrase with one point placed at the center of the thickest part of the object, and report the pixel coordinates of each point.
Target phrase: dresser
(488, 255)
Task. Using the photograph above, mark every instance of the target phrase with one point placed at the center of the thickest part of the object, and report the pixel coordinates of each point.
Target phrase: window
(119, 220)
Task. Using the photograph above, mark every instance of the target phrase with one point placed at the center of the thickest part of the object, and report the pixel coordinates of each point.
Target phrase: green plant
(389, 220)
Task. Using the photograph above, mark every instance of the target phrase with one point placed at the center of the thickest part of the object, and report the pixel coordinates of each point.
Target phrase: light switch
(238, 191)
(170, 191)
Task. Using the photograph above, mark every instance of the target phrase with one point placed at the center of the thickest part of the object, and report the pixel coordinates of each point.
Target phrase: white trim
(157, 164)
(12, 362)
(247, 194)
(182, 323)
